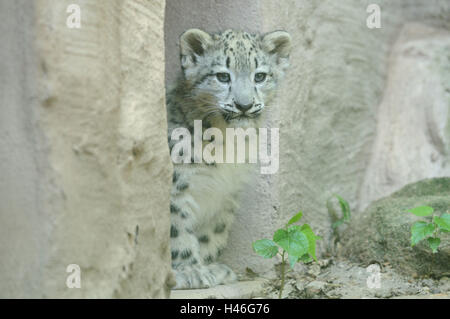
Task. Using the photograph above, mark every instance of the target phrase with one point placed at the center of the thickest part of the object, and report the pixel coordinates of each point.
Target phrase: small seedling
(430, 229)
(296, 243)
(345, 208)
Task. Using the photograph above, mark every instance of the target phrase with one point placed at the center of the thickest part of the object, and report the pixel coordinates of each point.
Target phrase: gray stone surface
(238, 290)
(383, 232)
(85, 170)
(330, 106)
(23, 246)
(413, 129)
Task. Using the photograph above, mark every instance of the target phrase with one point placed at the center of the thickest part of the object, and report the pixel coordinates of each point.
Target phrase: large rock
(84, 163)
(383, 232)
(413, 127)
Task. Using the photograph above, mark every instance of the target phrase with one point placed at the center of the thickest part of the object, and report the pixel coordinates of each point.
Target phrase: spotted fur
(204, 195)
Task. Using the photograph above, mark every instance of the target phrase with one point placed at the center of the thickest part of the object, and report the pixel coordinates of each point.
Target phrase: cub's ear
(277, 42)
(193, 44)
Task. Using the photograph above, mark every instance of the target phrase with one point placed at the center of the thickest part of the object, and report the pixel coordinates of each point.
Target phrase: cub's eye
(223, 77)
(260, 77)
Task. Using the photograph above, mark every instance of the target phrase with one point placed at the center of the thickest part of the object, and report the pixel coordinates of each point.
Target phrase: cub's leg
(187, 262)
(213, 236)
(213, 239)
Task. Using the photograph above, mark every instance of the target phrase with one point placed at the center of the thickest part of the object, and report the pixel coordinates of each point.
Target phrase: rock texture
(23, 246)
(413, 123)
(85, 166)
(329, 111)
(383, 232)
(239, 290)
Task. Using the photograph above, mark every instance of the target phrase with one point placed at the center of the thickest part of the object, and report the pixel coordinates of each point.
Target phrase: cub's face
(235, 72)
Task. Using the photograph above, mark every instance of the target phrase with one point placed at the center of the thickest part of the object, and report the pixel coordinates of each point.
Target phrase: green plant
(430, 228)
(345, 208)
(296, 243)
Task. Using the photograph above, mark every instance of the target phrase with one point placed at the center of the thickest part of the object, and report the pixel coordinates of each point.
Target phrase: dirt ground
(338, 279)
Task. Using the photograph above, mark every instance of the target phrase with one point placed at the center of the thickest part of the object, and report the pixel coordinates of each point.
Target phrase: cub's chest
(213, 188)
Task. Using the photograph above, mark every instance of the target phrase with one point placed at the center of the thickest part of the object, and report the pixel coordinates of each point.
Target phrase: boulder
(383, 232)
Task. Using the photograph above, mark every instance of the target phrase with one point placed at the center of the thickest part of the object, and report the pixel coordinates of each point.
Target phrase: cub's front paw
(203, 276)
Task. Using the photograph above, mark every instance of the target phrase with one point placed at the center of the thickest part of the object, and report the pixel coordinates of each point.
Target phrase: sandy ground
(336, 279)
(326, 279)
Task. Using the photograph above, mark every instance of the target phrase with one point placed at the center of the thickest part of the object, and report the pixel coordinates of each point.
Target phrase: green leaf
(265, 248)
(434, 243)
(295, 219)
(306, 258)
(292, 260)
(293, 241)
(443, 222)
(421, 211)
(345, 208)
(337, 223)
(306, 229)
(421, 230)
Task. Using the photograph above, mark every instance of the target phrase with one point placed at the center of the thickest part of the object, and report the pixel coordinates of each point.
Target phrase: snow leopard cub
(227, 81)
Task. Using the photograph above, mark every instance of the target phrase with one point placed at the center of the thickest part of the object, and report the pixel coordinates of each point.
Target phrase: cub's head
(234, 74)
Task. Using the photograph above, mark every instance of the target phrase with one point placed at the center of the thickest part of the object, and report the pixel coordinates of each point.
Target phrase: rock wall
(413, 127)
(330, 113)
(85, 166)
(23, 246)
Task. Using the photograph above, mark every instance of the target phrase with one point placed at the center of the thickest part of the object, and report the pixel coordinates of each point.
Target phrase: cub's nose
(243, 108)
